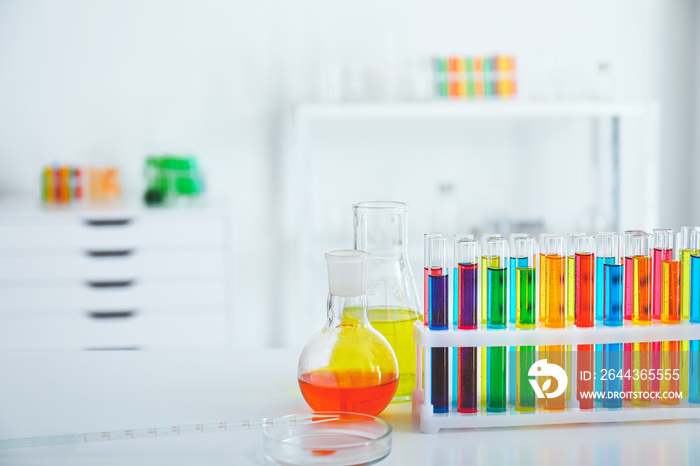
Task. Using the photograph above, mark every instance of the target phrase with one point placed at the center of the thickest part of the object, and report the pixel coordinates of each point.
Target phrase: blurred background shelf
(476, 109)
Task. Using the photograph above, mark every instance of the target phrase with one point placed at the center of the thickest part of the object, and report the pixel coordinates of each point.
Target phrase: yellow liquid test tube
(542, 300)
(570, 270)
(687, 248)
(48, 185)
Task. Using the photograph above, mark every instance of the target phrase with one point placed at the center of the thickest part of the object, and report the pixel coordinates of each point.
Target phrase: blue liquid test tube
(513, 263)
(694, 315)
(613, 310)
(438, 318)
(600, 259)
(465, 373)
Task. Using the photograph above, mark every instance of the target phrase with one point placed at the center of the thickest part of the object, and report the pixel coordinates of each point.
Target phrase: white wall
(85, 81)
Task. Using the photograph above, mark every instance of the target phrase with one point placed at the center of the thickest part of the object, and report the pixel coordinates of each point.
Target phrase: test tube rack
(431, 422)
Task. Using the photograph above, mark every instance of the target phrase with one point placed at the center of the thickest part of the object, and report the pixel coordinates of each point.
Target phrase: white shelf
(474, 109)
(548, 336)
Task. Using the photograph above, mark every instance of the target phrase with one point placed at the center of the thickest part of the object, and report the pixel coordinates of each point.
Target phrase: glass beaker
(381, 229)
(348, 365)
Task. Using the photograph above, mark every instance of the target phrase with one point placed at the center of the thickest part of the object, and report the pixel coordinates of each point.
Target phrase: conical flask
(381, 230)
(348, 365)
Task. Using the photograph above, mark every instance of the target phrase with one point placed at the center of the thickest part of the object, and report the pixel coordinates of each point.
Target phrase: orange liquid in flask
(348, 390)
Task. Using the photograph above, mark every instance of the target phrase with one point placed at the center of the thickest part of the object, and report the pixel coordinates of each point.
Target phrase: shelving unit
(478, 109)
(298, 163)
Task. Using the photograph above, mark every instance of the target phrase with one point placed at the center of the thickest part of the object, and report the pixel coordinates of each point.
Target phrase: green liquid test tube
(483, 267)
(525, 315)
(496, 299)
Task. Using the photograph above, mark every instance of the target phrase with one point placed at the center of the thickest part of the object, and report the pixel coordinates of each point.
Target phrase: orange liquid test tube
(552, 247)
(478, 77)
(669, 382)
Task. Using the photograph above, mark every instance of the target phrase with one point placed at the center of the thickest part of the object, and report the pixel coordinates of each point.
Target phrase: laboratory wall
(112, 81)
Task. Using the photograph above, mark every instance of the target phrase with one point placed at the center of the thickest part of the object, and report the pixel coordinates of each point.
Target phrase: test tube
(694, 315)
(428, 239)
(661, 253)
(47, 175)
(600, 261)
(687, 249)
(497, 302)
(438, 318)
(512, 268)
(483, 268)
(465, 290)
(570, 288)
(613, 317)
(584, 247)
(458, 244)
(629, 276)
(543, 280)
(584, 297)
(640, 251)
(553, 257)
(629, 300)
(694, 311)
(486, 261)
(570, 271)
(524, 250)
(458, 240)
(671, 315)
(555, 297)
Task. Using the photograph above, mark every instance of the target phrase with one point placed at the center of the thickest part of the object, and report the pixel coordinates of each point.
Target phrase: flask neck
(383, 233)
(345, 308)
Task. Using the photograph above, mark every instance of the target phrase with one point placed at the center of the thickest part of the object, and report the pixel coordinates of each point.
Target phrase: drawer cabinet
(109, 279)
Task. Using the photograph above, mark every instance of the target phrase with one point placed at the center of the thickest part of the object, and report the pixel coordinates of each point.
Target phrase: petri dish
(351, 439)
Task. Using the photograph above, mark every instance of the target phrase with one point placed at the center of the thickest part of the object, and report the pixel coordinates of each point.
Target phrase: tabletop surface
(73, 392)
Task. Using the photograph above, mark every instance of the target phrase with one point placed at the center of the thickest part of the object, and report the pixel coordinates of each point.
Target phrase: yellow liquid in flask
(396, 325)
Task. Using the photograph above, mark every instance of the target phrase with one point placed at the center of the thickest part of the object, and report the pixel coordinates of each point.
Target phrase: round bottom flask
(348, 365)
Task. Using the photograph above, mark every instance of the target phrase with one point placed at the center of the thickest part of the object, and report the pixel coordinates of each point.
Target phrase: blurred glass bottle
(381, 230)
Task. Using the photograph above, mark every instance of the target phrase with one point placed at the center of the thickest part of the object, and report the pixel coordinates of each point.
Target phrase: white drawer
(112, 233)
(79, 299)
(138, 332)
(100, 270)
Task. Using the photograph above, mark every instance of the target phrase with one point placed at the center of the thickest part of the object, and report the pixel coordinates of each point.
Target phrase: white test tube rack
(431, 422)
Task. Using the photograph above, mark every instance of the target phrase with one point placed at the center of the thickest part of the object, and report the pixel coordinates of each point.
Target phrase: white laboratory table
(51, 393)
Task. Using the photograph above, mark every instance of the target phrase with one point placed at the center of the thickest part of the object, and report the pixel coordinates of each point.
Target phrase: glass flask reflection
(348, 365)
(381, 229)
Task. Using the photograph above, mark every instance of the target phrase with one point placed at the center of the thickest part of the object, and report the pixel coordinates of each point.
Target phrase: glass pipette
(167, 431)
